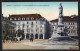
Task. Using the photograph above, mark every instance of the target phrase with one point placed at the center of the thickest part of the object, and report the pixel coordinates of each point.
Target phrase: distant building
(69, 22)
(33, 25)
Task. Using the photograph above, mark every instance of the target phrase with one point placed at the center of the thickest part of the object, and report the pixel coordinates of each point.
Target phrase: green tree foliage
(19, 32)
(7, 30)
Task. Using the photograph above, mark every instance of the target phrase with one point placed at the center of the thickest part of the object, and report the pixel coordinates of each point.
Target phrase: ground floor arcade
(34, 36)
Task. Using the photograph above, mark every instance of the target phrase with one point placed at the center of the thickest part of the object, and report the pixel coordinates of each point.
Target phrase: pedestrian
(31, 39)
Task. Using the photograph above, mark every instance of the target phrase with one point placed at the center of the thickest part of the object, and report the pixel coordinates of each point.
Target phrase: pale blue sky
(50, 11)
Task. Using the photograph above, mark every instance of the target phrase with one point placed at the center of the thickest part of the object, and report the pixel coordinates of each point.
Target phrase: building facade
(69, 22)
(33, 25)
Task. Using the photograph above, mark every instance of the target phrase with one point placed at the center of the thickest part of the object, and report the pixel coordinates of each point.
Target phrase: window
(19, 22)
(41, 26)
(36, 22)
(10, 18)
(19, 26)
(27, 22)
(28, 18)
(23, 25)
(41, 22)
(69, 23)
(73, 27)
(31, 23)
(73, 23)
(32, 26)
(64, 23)
(27, 26)
(36, 30)
(60, 28)
(15, 18)
(40, 30)
(32, 18)
(24, 18)
(69, 27)
(19, 18)
(36, 25)
(28, 30)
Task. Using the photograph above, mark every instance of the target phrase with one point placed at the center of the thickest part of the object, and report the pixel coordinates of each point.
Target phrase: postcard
(40, 25)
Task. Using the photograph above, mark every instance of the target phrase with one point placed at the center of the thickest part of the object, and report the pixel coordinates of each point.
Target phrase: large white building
(33, 25)
(69, 22)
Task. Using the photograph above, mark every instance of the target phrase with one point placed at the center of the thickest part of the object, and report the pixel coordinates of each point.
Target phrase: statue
(61, 32)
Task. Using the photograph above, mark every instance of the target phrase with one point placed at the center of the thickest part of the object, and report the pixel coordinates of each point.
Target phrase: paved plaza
(40, 44)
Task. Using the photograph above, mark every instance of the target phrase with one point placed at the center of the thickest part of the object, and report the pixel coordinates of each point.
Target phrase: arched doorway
(32, 36)
(27, 36)
(36, 36)
(41, 36)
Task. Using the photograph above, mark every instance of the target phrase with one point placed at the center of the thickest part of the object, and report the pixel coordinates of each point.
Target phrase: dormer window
(19, 18)
(15, 18)
(10, 18)
(24, 18)
(28, 18)
(32, 18)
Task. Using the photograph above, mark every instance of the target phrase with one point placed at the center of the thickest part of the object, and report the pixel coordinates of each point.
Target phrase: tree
(7, 30)
(19, 32)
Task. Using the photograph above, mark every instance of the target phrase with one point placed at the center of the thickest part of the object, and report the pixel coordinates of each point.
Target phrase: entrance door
(36, 36)
(27, 36)
(32, 36)
(41, 36)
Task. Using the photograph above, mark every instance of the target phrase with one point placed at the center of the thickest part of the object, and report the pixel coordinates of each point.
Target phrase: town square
(40, 25)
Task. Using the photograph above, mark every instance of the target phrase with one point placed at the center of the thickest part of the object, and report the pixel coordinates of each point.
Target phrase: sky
(48, 10)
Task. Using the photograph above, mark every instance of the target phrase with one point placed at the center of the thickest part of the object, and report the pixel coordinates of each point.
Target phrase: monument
(61, 32)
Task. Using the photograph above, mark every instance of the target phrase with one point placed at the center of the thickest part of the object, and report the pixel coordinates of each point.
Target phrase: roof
(67, 18)
(35, 16)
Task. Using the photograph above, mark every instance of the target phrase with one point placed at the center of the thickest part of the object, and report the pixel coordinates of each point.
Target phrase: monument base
(61, 38)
